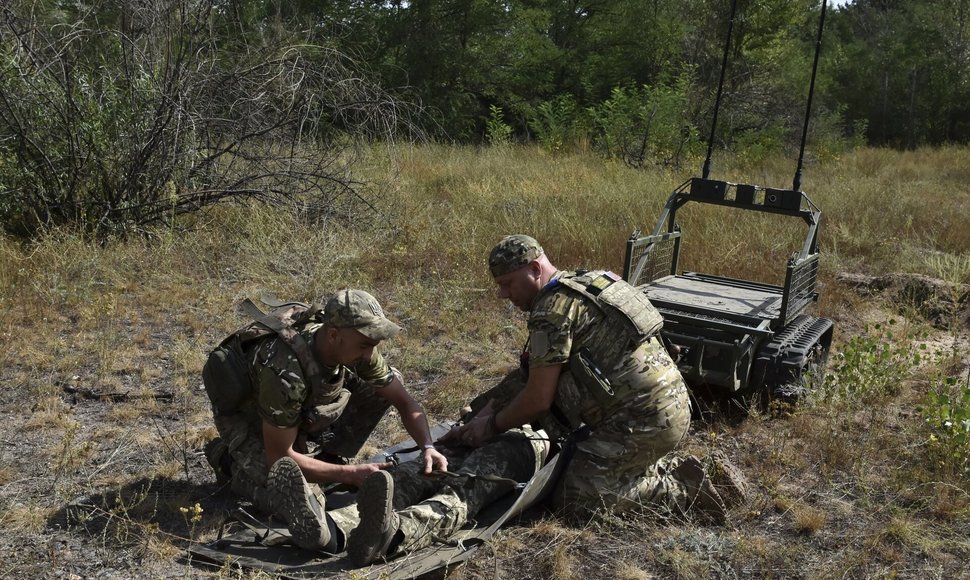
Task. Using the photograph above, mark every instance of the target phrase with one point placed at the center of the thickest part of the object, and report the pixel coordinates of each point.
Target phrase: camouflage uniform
(430, 508)
(334, 420)
(617, 382)
(622, 463)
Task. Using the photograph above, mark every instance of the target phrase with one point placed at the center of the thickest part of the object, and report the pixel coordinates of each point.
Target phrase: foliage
(898, 69)
(755, 146)
(947, 412)
(870, 366)
(497, 132)
(904, 69)
(114, 116)
(113, 124)
(649, 123)
(558, 123)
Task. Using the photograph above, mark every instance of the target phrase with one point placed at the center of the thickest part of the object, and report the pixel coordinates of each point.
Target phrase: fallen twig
(115, 397)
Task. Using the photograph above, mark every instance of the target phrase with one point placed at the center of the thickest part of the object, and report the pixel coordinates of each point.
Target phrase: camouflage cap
(359, 310)
(512, 253)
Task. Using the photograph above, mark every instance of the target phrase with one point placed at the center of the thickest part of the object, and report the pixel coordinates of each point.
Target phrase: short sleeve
(375, 372)
(551, 329)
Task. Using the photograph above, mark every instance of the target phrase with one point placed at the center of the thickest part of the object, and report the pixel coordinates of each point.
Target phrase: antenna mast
(720, 86)
(797, 182)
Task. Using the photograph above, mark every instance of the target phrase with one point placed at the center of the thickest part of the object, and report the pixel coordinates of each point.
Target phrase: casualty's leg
(303, 506)
(516, 455)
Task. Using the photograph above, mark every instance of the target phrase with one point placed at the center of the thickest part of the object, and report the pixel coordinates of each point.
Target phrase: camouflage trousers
(626, 460)
(241, 441)
(430, 509)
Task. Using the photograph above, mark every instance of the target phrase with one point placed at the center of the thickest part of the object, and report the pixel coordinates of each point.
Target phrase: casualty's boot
(303, 510)
(379, 524)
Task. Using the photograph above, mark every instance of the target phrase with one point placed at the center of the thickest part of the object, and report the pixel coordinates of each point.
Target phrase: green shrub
(558, 122)
(872, 365)
(643, 125)
(754, 147)
(497, 131)
(947, 413)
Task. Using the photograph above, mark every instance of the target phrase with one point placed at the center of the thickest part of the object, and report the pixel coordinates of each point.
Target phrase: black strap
(470, 478)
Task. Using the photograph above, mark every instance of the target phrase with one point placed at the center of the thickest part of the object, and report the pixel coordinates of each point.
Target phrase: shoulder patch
(538, 344)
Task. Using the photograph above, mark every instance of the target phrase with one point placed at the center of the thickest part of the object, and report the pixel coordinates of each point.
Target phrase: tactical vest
(629, 319)
(226, 374)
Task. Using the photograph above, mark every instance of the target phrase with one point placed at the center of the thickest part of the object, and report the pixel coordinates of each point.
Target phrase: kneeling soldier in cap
(336, 391)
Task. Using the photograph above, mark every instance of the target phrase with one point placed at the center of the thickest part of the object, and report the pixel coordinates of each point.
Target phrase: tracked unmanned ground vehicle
(733, 336)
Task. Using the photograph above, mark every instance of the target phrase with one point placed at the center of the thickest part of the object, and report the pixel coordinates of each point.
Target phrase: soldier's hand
(452, 436)
(433, 460)
(476, 432)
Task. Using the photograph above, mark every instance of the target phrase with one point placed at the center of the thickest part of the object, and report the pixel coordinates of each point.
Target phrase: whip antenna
(797, 182)
(720, 85)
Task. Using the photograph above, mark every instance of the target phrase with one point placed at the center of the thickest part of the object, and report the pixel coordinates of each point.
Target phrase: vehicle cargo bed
(749, 304)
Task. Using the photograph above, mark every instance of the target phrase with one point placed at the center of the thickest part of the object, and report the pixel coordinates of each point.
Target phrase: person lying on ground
(401, 510)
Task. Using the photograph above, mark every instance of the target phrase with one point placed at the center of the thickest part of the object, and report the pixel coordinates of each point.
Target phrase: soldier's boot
(701, 492)
(729, 481)
(379, 524)
(217, 455)
(296, 502)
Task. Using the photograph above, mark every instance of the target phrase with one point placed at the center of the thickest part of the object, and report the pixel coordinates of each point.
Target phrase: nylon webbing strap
(472, 477)
(290, 336)
(265, 534)
(249, 308)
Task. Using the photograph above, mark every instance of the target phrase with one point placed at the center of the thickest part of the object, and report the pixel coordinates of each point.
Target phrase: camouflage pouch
(325, 403)
(319, 417)
(592, 378)
(631, 308)
(573, 405)
(226, 378)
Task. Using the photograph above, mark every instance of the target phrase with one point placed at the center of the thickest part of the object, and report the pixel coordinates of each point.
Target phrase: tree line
(893, 72)
(121, 113)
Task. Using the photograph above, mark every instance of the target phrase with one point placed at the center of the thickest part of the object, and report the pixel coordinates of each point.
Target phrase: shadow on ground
(179, 509)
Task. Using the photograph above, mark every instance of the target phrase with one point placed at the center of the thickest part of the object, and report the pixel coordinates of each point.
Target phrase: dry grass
(847, 485)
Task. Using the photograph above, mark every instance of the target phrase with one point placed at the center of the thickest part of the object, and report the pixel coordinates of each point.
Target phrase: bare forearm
(416, 424)
(316, 471)
(534, 400)
(278, 443)
(524, 408)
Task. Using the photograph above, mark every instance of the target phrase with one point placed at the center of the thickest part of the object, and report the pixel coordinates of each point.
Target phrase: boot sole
(375, 504)
(306, 518)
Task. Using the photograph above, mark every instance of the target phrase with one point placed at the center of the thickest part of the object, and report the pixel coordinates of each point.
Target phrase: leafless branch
(116, 127)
